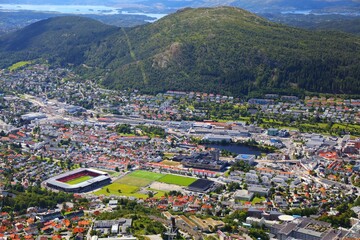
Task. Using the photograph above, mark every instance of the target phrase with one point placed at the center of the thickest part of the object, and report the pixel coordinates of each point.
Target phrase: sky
(148, 5)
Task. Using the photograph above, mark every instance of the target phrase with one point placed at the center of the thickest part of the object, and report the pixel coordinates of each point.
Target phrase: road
(330, 182)
(277, 161)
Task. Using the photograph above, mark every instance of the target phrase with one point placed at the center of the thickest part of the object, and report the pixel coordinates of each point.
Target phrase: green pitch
(139, 178)
(134, 181)
(177, 180)
(146, 175)
(79, 180)
(117, 189)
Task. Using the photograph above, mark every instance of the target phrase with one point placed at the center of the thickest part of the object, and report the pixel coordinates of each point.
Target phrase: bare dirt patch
(165, 187)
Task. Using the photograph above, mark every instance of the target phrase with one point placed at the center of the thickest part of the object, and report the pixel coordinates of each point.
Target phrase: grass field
(177, 180)
(140, 178)
(79, 180)
(169, 155)
(255, 200)
(258, 200)
(170, 163)
(18, 65)
(126, 190)
(134, 181)
(146, 175)
(130, 184)
(158, 194)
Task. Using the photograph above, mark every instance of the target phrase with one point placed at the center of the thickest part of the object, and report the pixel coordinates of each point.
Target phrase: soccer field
(134, 181)
(79, 180)
(177, 180)
(146, 175)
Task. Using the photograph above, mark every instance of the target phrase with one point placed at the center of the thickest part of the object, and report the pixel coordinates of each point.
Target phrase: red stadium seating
(77, 175)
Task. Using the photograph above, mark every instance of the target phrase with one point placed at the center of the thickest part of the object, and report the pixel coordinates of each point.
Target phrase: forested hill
(230, 50)
(221, 50)
(59, 39)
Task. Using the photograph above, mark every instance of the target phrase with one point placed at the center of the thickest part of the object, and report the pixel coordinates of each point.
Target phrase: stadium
(201, 185)
(79, 180)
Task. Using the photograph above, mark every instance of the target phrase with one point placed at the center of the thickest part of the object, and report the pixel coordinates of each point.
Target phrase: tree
(123, 128)
(128, 167)
(258, 234)
(117, 169)
(233, 186)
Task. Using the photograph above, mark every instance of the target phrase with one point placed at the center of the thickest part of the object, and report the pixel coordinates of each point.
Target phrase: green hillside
(220, 50)
(60, 40)
(229, 50)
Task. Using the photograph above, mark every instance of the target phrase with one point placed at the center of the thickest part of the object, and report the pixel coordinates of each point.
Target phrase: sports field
(118, 189)
(140, 178)
(177, 180)
(131, 184)
(79, 180)
(146, 175)
(134, 181)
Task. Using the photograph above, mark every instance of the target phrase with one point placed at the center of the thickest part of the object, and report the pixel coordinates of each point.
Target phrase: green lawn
(158, 194)
(140, 178)
(127, 134)
(347, 126)
(146, 175)
(169, 155)
(125, 190)
(258, 200)
(79, 180)
(177, 180)
(170, 163)
(134, 181)
(19, 65)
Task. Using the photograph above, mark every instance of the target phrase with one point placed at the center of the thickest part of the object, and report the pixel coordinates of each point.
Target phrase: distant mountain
(295, 5)
(171, 5)
(349, 24)
(222, 50)
(11, 21)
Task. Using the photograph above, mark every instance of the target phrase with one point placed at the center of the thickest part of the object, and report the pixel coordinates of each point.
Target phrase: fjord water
(70, 9)
(74, 9)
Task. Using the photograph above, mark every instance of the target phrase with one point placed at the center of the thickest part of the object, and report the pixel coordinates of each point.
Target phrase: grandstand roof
(55, 181)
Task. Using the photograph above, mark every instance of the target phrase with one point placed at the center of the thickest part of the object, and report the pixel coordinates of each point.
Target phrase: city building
(247, 158)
